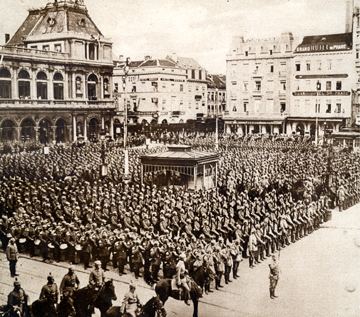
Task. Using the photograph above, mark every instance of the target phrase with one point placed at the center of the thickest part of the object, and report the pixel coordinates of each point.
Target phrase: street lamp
(126, 72)
(216, 121)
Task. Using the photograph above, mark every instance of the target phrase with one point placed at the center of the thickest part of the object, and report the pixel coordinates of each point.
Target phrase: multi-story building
(258, 75)
(216, 92)
(160, 91)
(155, 92)
(196, 90)
(324, 77)
(55, 77)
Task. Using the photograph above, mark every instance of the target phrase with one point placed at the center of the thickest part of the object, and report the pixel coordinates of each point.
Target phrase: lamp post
(126, 72)
(216, 121)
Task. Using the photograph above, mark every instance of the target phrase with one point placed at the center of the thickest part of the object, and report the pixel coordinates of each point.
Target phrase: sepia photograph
(176, 158)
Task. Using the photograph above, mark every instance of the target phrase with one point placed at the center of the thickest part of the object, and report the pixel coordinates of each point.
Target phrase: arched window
(5, 83)
(58, 87)
(41, 85)
(24, 84)
(92, 84)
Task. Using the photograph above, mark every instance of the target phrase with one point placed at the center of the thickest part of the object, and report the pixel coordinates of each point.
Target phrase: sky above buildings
(202, 29)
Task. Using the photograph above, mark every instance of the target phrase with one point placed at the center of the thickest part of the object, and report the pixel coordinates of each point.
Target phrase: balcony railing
(26, 103)
(32, 52)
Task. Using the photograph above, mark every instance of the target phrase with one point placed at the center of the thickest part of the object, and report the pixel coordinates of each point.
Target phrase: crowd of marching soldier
(271, 193)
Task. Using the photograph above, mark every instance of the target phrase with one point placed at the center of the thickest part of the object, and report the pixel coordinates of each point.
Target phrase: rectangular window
(200, 74)
(258, 85)
(246, 85)
(308, 67)
(271, 52)
(328, 106)
(329, 64)
(271, 68)
(328, 85)
(319, 65)
(270, 85)
(338, 85)
(283, 85)
(193, 73)
(34, 47)
(46, 47)
(116, 87)
(5, 89)
(133, 89)
(41, 90)
(246, 53)
(57, 47)
(338, 106)
(24, 89)
(58, 91)
(181, 87)
(282, 106)
(297, 67)
(246, 104)
(317, 106)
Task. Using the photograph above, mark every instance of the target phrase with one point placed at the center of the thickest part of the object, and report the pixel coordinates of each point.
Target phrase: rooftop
(328, 42)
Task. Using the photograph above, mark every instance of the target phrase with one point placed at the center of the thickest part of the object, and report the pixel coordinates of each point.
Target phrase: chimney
(349, 15)
(174, 57)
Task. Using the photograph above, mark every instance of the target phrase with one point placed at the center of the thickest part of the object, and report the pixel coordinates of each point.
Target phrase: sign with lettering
(321, 93)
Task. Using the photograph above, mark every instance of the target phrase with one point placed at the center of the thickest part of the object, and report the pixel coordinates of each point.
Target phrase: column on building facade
(14, 84)
(18, 130)
(85, 127)
(227, 128)
(245, 129)
(101, 87)
(289, 128)
(51, 85)
(74, 128)
(66, 86)
(33, 94)
(240, 129)
(251, 128)
(275, 129)
(112, 127)
(102, 122)
(263, 128)
(73, 86)
(36, 129)
(307, 128)
(53, 133)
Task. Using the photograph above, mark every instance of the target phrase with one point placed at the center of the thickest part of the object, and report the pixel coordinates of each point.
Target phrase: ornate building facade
(55, 77)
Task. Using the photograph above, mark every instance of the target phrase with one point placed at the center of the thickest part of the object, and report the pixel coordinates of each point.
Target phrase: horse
(86, 297)
(154, 307)
(196, 284)
(66, 306)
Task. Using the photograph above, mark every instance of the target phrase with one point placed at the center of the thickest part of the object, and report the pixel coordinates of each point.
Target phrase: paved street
(320, 276)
